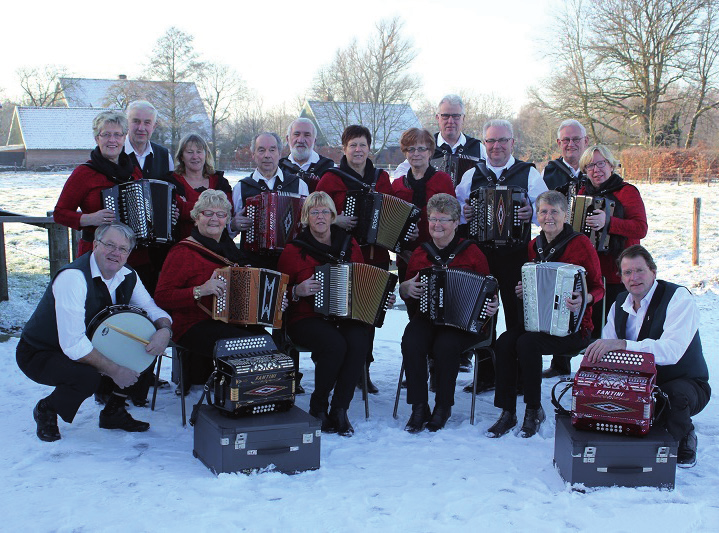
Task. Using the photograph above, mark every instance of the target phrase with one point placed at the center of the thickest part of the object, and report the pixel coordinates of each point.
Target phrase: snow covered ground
(382, 478)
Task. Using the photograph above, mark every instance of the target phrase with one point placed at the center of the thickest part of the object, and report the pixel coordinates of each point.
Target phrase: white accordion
(546, 288)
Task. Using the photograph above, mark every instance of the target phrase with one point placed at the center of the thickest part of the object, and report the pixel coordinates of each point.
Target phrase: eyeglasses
(435, 220)
(447, 116)
(108, 135)
(598, 164)
(638, 271)
(418, 149)
(317, 212)
(124, 250)
(501, 140)
(210, 214)
(566, 140)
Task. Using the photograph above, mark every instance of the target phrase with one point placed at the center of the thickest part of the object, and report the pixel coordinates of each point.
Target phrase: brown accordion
(354, 290)
(146, 206)
(252, 296)
(382, 219)
(615, 394)
(582, 206)
(496, 220)
(455, 165)
(275, 220)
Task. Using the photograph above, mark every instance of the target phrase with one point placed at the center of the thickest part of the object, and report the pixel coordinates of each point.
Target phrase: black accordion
(456, 297)
(496, 220)
(580, 207)
(354, 290)
(252, 376)
(382, 219)
(146, 206)
(455, 165)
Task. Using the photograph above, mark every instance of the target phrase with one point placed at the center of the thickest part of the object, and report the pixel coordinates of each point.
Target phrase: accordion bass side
(496, 220)
(146, 206)
(457, 298)
(615, 394)
(354, 290)
(580, 207)
(275, 220)
(546, 287)
(252, 296)
(252, 376)
(383, 219)
(455, 165)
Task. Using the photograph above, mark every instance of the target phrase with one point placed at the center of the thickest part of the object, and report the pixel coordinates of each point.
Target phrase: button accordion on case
(456, 297)
(275, 220)
(382, 219)
(354, 290)
(455, 165)
(546, 287)
(252, 376)
(615, 394)
(252, 296)
(495, 219)
(146, 206)
(582, 206)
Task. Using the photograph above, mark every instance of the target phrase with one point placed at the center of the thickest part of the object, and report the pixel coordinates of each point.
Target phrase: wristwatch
(196, 293)
(295, 298)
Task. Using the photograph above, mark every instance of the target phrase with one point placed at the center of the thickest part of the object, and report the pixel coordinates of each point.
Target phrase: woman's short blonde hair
(109, 117)
(211, 199)
(444, 203)
(317, 199)
(589, 154)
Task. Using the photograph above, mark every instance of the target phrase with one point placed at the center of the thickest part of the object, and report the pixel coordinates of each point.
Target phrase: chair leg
(157, 382)
(474, 387)
(182, 384)
(399, 389)
(365, 394)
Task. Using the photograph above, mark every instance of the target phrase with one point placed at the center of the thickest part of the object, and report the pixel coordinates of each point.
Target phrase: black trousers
(339, 350)
(687, 397)
(446, 344)
(519, 350)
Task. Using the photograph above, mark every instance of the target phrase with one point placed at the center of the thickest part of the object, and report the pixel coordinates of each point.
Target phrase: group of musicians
(641, 313)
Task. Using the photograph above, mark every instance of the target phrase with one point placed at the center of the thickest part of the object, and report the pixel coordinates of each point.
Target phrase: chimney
(122, 77)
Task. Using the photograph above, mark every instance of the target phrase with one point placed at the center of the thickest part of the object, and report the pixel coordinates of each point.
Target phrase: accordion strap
(437, 260)
(348, 178)
(206, 251)
(324, 256)
(555, 247)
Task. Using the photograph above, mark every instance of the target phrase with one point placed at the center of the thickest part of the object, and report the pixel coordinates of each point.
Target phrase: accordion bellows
(580, 207)
(546, 287)
(383, 219)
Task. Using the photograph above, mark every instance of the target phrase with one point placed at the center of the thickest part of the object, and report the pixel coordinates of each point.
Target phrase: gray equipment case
(289, 440)
(596, 459)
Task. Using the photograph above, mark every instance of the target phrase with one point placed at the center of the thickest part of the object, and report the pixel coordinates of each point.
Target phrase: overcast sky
(482, 46)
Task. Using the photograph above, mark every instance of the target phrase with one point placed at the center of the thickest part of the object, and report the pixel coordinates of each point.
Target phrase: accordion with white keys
(146, 206)
(546, 287)
(495, 219)
(382, 219)
(275, 220)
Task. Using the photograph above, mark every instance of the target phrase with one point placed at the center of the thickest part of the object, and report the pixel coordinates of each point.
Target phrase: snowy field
(382, 478)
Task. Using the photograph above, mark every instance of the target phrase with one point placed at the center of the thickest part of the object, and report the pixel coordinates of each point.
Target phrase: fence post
(58, 246)
(4, 296)
(695, 233)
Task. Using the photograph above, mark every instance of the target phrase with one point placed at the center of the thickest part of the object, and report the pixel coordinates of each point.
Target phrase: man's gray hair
(302, 120)
(119, 226)
(571, 122)
(142, 104)
(451, 99)
(109, 117)
(498, 123)
(277, 138)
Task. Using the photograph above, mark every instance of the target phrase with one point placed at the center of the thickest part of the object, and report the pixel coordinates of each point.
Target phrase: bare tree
(41, 85)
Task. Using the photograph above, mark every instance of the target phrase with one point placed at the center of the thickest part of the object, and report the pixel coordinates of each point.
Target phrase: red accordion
(614, 395)
(275, 220)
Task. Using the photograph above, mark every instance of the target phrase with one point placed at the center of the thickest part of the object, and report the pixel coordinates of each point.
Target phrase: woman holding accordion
(421, 337)
(338, 347)
(519, 350)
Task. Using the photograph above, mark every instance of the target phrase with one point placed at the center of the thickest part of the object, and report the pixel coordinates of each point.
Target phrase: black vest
(471, 147)
(559, 177)
(159, 166)
(249, 187)
(692, 364)
(315, 170)
(516, 175)
(41, 330)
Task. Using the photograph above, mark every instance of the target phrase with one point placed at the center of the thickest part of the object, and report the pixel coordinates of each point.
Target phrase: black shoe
(181, 390)
(299, 389)
(553, 372)
(440, 415)
(686, 454)
(482, 386)
(326, 425)
(114, 416)
(420, 416)
(504, 424)
(338, 417)
(46, 420)
(404, 383)
(140, 402)
(101, 398)
(533, 419)
(371, 387)
(465, 364)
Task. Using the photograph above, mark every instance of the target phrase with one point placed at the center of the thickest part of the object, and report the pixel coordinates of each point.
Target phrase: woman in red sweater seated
(188, 275)
(518, 348)
(194, 173)
(338, 347)
(421, 337)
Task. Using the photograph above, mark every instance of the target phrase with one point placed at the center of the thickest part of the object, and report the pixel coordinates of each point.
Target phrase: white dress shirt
(680, 326)
(237, 199)
(70, 291)
(314, 158)
(148, 150)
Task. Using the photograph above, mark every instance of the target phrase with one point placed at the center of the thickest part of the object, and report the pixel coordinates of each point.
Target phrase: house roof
(54, 128)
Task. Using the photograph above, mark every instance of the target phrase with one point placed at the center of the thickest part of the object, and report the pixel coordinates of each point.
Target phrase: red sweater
(191, 196)
(299, 269)
(439, 182)
(633, 226)
(580, 252)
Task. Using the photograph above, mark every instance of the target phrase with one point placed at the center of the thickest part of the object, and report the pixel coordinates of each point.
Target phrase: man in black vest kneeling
(54, 349)
(661, 318)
